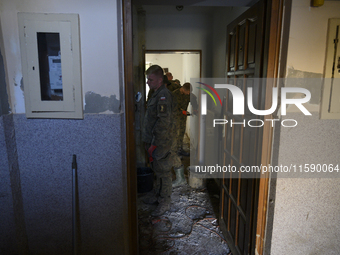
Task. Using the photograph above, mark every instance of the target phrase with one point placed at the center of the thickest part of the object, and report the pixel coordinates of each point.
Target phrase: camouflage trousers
(180, 126)
(162, 171)
(175, 158)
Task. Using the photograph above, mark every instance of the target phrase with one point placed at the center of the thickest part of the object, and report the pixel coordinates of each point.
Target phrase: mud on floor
(190, 227)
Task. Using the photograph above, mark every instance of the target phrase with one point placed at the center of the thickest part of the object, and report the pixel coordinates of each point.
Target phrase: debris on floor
(189, 227)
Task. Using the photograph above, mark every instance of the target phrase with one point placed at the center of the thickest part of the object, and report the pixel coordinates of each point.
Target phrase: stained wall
(36, 154)
(306, 214)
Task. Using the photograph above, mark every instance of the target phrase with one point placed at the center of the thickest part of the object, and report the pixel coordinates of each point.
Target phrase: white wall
(98, 38)
(308, 34)
(190, 29)
(307, 215)
(183, 66)
(172, 61)
(191, 63)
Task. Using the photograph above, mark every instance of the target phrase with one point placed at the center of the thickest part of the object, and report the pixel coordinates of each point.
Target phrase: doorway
(272, 20)
(182, 64)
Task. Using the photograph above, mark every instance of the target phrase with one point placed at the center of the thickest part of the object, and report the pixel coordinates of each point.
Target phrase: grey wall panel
(8, 243)
(45, 149)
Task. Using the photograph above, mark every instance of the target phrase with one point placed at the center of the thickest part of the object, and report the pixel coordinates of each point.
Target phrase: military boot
(180, 179)
(162, 207)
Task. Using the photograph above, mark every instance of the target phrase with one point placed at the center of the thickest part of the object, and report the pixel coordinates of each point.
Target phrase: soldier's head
(154, 75)
(165, 80)
(186, 88)
(169, 75)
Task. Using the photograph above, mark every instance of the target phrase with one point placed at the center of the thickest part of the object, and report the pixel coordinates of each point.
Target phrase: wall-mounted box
(50, 56)
(330, 101)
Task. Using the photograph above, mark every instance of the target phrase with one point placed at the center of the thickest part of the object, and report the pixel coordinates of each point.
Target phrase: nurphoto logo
(239, 104)
(238, 99)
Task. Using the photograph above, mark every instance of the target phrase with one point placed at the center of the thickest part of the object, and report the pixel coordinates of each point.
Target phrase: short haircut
(187, 86)
(156, 70)
(165, 80)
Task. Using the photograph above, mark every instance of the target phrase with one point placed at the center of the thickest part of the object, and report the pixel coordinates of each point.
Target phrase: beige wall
(307, 216)
(98, 19)
(307, 39)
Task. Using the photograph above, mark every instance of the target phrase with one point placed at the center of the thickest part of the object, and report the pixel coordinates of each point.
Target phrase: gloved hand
(150, 150)
(184, 112)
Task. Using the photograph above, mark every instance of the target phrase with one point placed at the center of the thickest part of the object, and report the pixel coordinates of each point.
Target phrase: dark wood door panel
(231, 41)
(252, 31)
(241, 142)
(241, 44)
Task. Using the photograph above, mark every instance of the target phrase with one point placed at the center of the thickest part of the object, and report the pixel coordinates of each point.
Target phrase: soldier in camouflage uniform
(173, 84)
(157, 133)
(166, 82)
(182, 98)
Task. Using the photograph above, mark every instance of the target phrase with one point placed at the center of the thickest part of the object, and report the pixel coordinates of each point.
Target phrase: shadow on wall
(96, 103)
(4, 104)
(308, 80)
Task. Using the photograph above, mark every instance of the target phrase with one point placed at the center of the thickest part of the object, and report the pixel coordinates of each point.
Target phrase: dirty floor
(189, 227)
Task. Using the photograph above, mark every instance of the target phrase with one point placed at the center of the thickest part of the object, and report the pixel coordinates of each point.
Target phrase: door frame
(131, 220)
(277, 24)
(173, 51)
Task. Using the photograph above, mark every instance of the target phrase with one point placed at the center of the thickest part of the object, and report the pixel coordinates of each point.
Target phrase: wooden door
(242, 144)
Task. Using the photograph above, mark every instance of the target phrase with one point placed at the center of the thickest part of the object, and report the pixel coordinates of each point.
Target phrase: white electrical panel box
(50, 54)
(330, 101)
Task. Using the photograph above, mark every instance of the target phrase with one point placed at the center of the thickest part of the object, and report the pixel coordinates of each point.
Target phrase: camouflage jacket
(182, 102)
(158, 126)
(173, 86)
